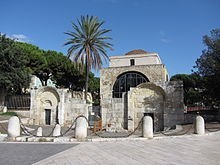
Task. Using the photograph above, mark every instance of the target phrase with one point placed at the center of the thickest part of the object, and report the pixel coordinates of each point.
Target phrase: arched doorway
(47, 101)
(147, 99)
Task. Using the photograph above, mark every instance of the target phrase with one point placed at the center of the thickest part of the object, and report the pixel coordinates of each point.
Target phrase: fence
(18, 102)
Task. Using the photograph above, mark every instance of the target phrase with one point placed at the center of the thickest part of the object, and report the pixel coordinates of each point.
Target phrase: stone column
(199, 125)
(81, 128)
(130, 113)
(14, 127)
(147, 127)
(61, 106)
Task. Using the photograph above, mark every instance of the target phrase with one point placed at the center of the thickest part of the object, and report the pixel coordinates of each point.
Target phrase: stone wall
(159, 98)
(146, 99)
(108, 76)
(163, 101)
(113, 115)
(64, 106)
(174, 104)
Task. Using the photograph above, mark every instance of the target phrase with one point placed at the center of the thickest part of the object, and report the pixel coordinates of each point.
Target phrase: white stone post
(14, 127)
(81, 128)
(39, 131)
(147, 127)
(199, 125)
(57, 130)
(5, 109)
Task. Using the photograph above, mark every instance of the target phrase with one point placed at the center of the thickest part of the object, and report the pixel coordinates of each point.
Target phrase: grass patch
(8, 114)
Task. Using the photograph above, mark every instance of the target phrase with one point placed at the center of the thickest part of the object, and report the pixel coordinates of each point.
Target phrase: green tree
(14, 75)
(94, 88)
(192, 86)
(88, 44)
(66, 73)
(37, 62)
(208, 65)
(52, 65)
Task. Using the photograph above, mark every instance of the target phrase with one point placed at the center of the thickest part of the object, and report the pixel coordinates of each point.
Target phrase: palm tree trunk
(86, 85)
(87, 76)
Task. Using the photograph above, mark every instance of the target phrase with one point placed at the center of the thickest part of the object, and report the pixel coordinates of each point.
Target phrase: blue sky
(172, 28)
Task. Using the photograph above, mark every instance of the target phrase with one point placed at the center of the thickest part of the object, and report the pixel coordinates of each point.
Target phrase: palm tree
(88, 44)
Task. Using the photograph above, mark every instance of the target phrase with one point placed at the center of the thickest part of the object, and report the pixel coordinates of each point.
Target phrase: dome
(136, 51)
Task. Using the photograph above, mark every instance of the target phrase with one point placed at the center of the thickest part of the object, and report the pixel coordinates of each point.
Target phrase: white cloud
(164, 40)
(163, 37)
(19, 37)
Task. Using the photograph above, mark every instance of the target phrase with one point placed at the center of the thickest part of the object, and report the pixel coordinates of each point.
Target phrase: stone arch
(153, 86)
(146, 99)
(47, 99)
(126, 80)
(50, 89)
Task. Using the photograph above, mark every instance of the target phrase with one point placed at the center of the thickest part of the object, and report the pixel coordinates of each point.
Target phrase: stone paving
(182, 150)
(28, 153)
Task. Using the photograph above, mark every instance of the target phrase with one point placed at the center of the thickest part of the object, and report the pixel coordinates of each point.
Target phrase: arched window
(127, 80)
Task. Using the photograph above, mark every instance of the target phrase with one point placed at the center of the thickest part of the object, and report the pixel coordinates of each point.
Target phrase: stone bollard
(14, 127)
(39, 131)
(5, 109)
(57, 130)
(81, 128)
(199, 125)
(147, 127)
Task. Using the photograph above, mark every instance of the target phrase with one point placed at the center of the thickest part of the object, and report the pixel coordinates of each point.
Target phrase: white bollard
(14, 127)
(199, 125)
(81, 128)
(147, 127)
(5, 109)
(57, 130)
(39, 131)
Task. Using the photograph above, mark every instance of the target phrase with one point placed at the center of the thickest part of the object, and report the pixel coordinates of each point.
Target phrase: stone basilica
(137, 84)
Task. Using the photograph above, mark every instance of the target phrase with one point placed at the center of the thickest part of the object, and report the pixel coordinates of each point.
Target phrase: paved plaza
(190, 149)
(28, 153)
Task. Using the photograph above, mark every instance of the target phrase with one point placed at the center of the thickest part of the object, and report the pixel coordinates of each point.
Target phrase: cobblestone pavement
(26, 153)
(182, 150)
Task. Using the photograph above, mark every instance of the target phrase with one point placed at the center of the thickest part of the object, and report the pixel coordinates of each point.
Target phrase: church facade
(137, 84)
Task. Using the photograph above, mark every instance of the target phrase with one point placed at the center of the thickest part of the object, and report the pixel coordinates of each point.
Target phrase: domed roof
(136, 51)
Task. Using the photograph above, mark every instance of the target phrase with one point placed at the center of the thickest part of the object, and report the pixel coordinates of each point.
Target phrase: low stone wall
(24, 113)
(209, 115)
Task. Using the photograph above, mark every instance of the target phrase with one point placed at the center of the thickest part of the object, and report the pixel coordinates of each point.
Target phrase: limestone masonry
(135, 85)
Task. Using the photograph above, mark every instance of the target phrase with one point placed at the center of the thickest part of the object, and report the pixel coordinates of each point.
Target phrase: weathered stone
(57, 130)
(39, 131)
(81, 128)
(147, 127)
(57, 106)
(157, 97)
(13, 127)
(199, 125)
